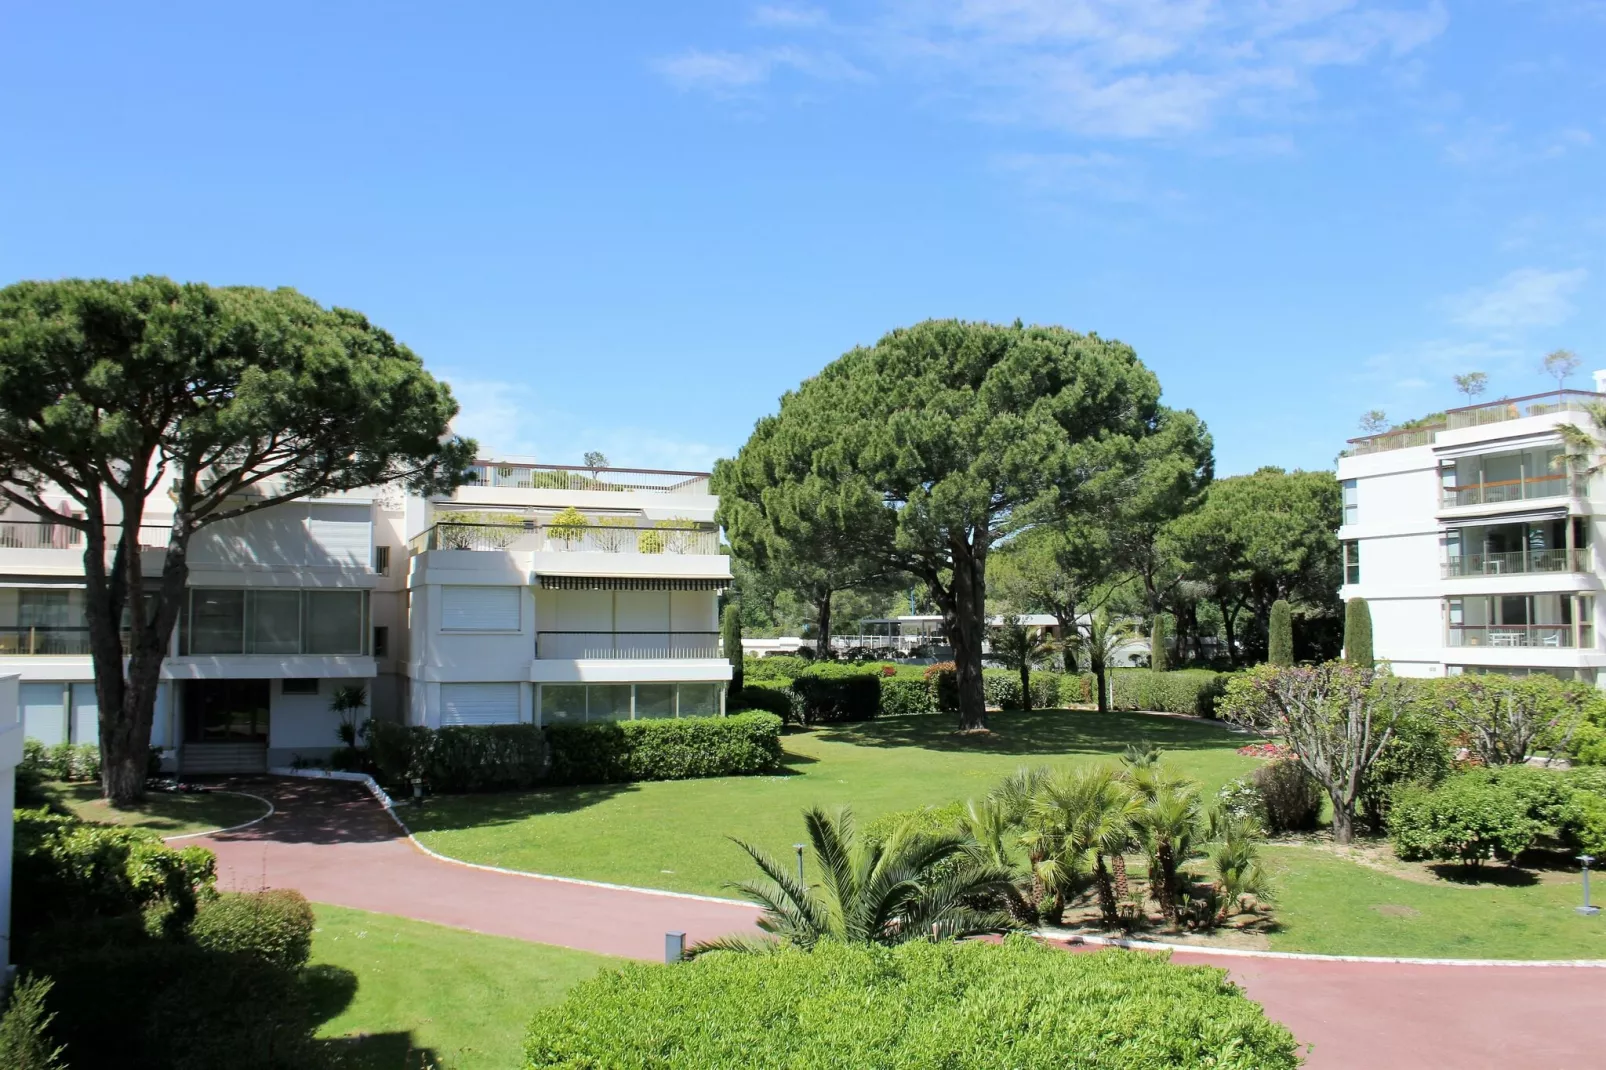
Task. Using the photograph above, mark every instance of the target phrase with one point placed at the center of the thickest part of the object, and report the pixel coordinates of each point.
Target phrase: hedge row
(1187, 691)
(670, 749)
(503, 757)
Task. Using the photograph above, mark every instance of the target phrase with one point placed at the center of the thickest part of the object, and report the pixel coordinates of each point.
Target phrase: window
(699, 700)
(578, 703)
(335, 623)
(274, 621)
(563, 703)
(46, 609)
(226, 711)
(655, 700)
(1349, 501)
(1352, 562)
(299, 686)
(381, 642)
(382, 560)
(217, 621)
(44, 712)
(480, 609)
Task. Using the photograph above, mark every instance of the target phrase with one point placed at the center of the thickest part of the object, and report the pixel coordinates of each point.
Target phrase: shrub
(275, 926)
(1017, 1004)
(831, 693)
(1001, 688)
(773, 698)
(1158, 660)
(1187, 691)
(730, 637)
(1465, 819)
(1358, 633)
(1290, 800)
(1078, 689)
(460, 758)
(944, 680)
(25, 1042)
(781, 667)
(63, 761)
(670, 749)
(1046, 687)
(1280, 635)
(1417, 753)
(926, 820)
(902, 695)
(1240, 799)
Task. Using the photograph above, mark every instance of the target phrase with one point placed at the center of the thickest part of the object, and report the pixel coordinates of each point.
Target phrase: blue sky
(630, 227)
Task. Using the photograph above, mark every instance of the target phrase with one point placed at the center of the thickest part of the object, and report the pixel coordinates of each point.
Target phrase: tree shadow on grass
(1486, 876)
(329, 990)
(447, 812)
(1038, 732)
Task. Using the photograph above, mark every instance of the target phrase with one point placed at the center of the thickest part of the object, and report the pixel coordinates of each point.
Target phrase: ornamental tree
(223, 401)
(1358, 633)
(940, 440)
(1280, 635)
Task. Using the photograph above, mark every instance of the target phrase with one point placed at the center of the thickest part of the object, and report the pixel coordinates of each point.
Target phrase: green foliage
(667, 749)
(1504, 719)
(25, 1036)
(1280, 638)
(921, 821)
(730, 637)
(777, 698)
(830, 693)
(1290, 800)
(274, 926)
(782, 667)
(1046, 688)
(1418, 753)
(459, 758)
(1019, 1005)
(944, 681)
(1235, 860)
(1466, 819)
(1358, 633)
(906, 695)
(63, 761)
(1078, 689)
(1188, 691)
(1158, 655)
(1240, 800)
(1001, 688)
(569, 526)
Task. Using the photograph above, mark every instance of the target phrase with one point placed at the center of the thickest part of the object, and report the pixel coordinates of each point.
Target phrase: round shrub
(927, 820)
(1018, 1004)
(1467, 819)
(944, 680)
(1291, 800)
(274, 925)
(1001, 688)
(906, 695)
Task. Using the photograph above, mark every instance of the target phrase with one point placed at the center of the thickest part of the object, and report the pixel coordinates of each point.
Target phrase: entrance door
(226, 711)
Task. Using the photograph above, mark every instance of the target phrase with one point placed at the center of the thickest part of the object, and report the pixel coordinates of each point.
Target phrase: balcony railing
(616, 645)
(34, 640)
(1506, 490)
(1517, 561)
(42, 535)
(1393, 440)
(1512, 635)
(576, 477)
(665, 537)
(1493, 412)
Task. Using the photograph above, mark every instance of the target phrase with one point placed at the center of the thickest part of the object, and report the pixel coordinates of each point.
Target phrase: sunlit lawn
(169, 814)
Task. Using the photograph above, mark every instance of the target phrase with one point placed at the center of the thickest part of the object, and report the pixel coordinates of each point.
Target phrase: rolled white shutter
(468, 704)
(480, 609)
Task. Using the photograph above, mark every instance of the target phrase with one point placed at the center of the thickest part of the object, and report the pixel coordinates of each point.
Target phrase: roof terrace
(1492, 412)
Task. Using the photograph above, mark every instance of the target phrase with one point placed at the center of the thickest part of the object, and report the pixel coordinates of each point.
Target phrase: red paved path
(334, 843)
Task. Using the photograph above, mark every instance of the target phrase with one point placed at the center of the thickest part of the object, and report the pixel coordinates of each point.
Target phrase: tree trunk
(1098, 679)
(1105, 889)
(1025, 686)
(1343, 823)
(1168, 881)
(964, 616)
(1123, 887)
(1226, 628)
(822, 648)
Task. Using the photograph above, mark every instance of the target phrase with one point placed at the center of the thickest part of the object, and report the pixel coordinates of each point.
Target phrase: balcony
(1506, 490)
(1493, 412)
(626, 536)
(41, 535)
(575, 477)
(1516, 562)
(1553, 636)
(32, 640)
(615, 646)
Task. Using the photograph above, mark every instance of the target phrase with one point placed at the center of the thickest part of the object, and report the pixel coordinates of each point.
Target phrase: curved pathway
(335, 844)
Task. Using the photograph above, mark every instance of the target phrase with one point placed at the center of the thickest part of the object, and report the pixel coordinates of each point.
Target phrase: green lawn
(161, 812)
(427, 996)
(674, 834)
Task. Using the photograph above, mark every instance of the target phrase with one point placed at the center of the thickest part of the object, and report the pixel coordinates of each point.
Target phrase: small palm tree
(1235, 858)
(1096, 646)
(1170, 826)
(1092, 811)
(1583, 451)
(1020, 646)
(912, 887)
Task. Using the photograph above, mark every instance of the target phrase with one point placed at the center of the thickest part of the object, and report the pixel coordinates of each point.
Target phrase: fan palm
(1097, 645)
(913, 886)
(1581, 447)
(1170, 825)
(1091, 813)
(1235, 857)
(1020, 646)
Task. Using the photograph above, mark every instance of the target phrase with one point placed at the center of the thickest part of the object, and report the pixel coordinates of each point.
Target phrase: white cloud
(789, 16)
(696, 69)
(1526, 298)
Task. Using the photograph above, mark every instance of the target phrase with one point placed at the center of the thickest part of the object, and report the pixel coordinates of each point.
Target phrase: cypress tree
(1280, 640)
(1157, 653)
(1358, 633)
(730, 631)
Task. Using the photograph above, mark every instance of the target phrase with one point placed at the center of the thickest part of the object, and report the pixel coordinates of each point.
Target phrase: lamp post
(798, 847)
(1586, 908)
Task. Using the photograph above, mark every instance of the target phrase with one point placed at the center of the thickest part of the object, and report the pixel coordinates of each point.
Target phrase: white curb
(1065, 936)
(231, 828)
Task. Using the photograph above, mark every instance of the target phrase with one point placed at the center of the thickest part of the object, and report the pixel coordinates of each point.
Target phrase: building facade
(1475, 546)
(472, 609)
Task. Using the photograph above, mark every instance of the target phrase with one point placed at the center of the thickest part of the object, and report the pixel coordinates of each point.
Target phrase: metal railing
(616, 645)
(1492, 412)
(577, 477)
(33, 640)
(43, 535)
(1506, 490)
(1393, 440)
(633, 537)
(1511, 635)
(1517, 561)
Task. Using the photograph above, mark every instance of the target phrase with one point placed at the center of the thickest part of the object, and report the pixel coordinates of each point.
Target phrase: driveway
(335, 844)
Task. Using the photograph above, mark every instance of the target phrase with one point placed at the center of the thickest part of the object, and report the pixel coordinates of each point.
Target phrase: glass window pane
(217, 621)
(43, 716)
(276, 622)
(608, 702)
(655, 700)
(563, 703)
(334, 622)
(45, 609)
(699, 700)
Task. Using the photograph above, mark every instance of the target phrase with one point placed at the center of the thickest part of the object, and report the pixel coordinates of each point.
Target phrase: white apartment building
(471, 609)
(1473, 547)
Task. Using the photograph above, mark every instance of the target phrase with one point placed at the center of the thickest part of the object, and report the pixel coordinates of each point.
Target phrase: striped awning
(630, 583)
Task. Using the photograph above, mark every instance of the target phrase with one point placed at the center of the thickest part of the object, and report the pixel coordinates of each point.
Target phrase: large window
(1349, 501)
(275, 621)
(225, 711)
(1535, 620)
(1352, 562)
(580, 703)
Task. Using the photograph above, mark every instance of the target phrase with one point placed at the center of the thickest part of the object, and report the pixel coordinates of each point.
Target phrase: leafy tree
(932, 446)
(1358, 633)
(1472, 384)
(1374, 422)
(1056, 570)
(1504, 719)
(1560, 365)
(223, 400)
(1019, 647)
(595, 459)
(914, 887)
(1280, 642)
(1157, 638)
(730, 627)
(1336, 716)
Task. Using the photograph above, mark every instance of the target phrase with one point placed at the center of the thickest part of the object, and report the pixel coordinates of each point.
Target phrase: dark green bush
(1046, 688)
(1078, 689)
(1290, 800)
(1466, 819)
(831, 693)
(25, 1036)
(1188, 691)
(1018, 1004)
(775, 667)
(927, 820)
(902, 695)
(730, 639)
(1280, 635)
(460, 758)
(1358, 633)
(1417, 753)
(670, 749)
(772, 698)
(274, 925)
(1001, 688)
(944, 681)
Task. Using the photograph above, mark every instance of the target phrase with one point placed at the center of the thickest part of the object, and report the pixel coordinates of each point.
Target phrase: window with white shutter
(465, 704)
(480, 609)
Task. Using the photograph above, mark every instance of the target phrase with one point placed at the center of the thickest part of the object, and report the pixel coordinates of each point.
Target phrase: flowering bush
(1271, 751)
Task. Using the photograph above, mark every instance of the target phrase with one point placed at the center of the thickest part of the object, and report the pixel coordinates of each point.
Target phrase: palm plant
(1235, 858)
(1097, 645)
(1170, 826)
(994, 828)
(913, 886)
(1582, 448)
(1090, 812)
(1019, 647)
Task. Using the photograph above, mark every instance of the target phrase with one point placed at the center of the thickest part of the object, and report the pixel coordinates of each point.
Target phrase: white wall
(316, 534)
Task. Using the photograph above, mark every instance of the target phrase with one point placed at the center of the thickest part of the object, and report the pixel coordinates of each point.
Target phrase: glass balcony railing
(645, 537)
(576, 477)
(47, 641)
(1512, 635)
(1492, 412)
(618, 645)
(40, 535)
(1506, 490)
(1517, 561)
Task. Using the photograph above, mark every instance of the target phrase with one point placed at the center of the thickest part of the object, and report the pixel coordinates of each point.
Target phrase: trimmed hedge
(944, 680)
(1078, 689)
(1046, 686)
(1188, 691)
(669, 749)
(781, 667)
(773, 698)
(902, 695)
(1001, 688)
(831, 693)
(925, 820)
(1018, 1004)
(461, 758)
(275, 926)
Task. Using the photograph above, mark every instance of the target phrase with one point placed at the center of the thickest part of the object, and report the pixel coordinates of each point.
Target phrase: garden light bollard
(674, 947)
(1587, 908)
(418, 792)
(798, 847)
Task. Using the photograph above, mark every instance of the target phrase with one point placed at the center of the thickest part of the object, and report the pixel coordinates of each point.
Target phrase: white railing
(575, 477)
(632, 537)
